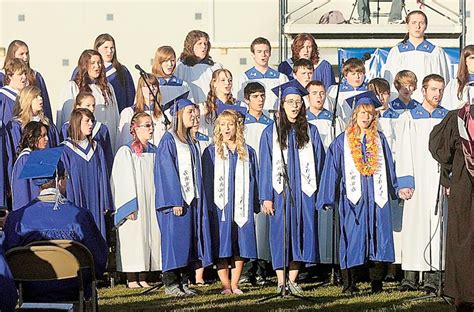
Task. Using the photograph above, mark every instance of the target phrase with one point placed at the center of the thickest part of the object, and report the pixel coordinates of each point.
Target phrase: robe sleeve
(123, 185)
(8, 293)
(254, 172)
(13, 138)
(390, 168)
(331, 176)
(53, 135)
(265, 185)
(105, 181)
(403, 153)
(208, 178)
(64, 131)
(167, 183)
(44, 94)
(107, 147)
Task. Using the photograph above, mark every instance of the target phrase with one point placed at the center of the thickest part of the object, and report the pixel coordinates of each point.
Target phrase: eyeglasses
(147, 125)
(294, 103)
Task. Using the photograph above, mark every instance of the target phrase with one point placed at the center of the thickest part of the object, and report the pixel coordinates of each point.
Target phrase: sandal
(226, 291)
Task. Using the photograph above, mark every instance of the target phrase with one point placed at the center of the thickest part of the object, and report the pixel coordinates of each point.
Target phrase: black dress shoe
(351, 289)
(407, 285)
(376, 287)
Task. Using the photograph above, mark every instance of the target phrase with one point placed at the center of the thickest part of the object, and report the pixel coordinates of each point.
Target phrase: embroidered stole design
(186, 170)
(467, 142)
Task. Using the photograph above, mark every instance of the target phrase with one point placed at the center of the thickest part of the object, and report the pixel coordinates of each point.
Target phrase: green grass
(327, 298)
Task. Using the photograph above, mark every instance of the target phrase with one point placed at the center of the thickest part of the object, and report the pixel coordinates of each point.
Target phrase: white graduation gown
(343, 109)
(133, 188)
(450, 99)
(423, 60)
(197, 77)
(420, 223)
(106, 111)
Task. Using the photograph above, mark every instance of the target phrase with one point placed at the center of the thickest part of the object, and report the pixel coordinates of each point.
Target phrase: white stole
(186, 170)
(241, 182)
(307, 166)
(352, 176)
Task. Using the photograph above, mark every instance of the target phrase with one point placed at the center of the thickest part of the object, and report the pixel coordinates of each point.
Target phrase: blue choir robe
(41, 84)
(197, 77)
(124, 90)
(23, 190)
(7, 102)
(323, 121)
(269, 79)
(366, 228)
(202, 141)
(39, 221)
(207, 126)
(172, 87)
(4, 177)
(186, 239)
(322, 71)
(423, 60)
(253, 133)
(8, 293)
(100, 134)
(88, 185)
(229, 239)
(343, 109)
(301, 219)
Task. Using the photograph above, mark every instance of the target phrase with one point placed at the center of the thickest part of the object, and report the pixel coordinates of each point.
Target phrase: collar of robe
(52, 195)
(241, 183)
(464, 117)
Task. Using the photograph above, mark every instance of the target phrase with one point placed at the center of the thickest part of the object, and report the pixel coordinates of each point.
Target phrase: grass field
(327, 298)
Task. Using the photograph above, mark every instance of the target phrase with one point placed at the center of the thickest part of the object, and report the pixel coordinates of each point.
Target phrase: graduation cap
(290, 87)
(367, 97)
(222, 107)
(41, 165)
(171, 103)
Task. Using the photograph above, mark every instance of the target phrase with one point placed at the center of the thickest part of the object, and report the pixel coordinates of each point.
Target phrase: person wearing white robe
(91, 77)
(405, 83)
(353, 83)
(138, 241)
(144, 102)
(195, 65)
(420, 224)
(416, 54)
(261, 72)
(455, 97)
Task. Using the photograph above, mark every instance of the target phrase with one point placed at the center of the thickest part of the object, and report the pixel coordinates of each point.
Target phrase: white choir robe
(392, 125)
(124, 136)
(270, 79)
(400, 107)
(423, 60)
(253, 133)
(106, 110)
(420, 223)
(197, 77)
(450, 98)
(323, 121)
(343, 109)
(133, 188)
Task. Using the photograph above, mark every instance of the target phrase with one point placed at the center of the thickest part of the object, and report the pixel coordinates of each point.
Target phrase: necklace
(365, 165)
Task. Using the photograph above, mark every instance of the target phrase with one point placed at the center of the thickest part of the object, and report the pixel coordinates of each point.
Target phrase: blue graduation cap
(290, 87)
(367, 97)
(41, 165)
(171, 103)
(236, 107)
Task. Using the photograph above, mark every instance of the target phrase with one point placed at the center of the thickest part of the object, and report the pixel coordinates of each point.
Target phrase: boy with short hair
(15, 81)
(405, 83)
(303, 71)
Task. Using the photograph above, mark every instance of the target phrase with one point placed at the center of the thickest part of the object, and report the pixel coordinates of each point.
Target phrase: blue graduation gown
(4, 178)
(228, 239)
(323, 72)
(8, 293)
(185, 239)
(7, 102)
(100, 134)
(38, 221)
(301, 219)
(23, 190)
(124, 91)
(88, 185)
(366, 229)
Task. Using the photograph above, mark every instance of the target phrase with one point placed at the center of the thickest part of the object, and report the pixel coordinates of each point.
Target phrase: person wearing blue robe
(4, 177)
(7, 102)
(364, 197)
(8, 293)
(304, 159)
(48, 217)
(180, 203)
(88, 185)
(232, 220)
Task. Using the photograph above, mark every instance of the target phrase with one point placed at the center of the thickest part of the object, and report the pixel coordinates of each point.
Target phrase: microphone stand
(143, 74)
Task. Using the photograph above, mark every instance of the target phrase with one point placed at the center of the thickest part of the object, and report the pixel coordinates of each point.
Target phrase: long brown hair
(182, 132)
(31, 135)
(162, 54)
(75, 132)
(211, 106)
(298, 44)
(140, 99)
(83, 80)
(11, 50)
(22, 110)
(463, 73)
(187, 56)
(100, 40)
(353, 122)
(301, 127)
(239, 135)
(407, 20)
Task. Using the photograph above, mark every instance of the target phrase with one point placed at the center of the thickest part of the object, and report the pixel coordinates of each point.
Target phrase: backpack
(332, 17)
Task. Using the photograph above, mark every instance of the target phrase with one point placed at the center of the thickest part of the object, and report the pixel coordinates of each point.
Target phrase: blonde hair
(162, 54)
(211, 107)
(405, 77)
(234, 116)
(353, 122)
(23, 111)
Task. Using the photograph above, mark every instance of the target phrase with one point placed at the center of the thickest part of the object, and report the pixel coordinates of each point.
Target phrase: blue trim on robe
(122, 212)
(173, 81)
(253, 73)
(202, 137)
(420, 112)
(346, 87)
(471, 77)
(7, 105)
(398, 104)
(406, 182)
(324, 114)
(390, 113)
(425, 46)
(264, 120)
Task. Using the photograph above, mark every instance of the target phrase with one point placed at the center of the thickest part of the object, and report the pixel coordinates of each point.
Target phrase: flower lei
(366, 168)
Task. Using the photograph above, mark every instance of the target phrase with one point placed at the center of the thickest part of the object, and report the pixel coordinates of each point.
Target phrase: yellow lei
(366, 168)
